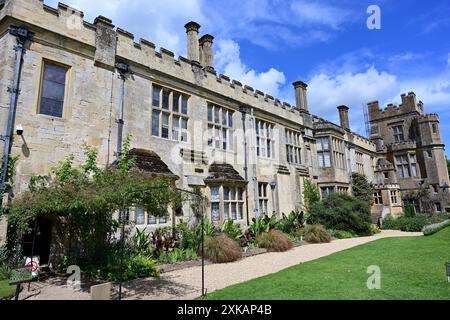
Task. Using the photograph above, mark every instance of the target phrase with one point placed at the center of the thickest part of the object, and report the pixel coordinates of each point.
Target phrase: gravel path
(186, 283)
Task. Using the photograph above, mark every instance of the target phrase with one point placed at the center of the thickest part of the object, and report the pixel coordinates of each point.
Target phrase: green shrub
(5, 270)
(410, 211)
(262, 224)
(408, 224)
(140, 242)
(316, 233)
(390, 223)
(185, 236)
(342, 212)
(134, 267)
(433, 228)
(232, 230)
(209, 230)
(177, 255)
(219, 248)
(374, 229)
(342, 234)
(274, 240)
(292, 222)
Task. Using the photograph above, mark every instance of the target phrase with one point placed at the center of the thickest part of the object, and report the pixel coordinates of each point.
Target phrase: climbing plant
(83, 200)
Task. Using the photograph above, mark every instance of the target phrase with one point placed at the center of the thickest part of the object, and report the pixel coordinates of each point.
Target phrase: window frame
(323, 151)
(216, 131)
(293, 147)
(68, 69)
(181, 117)
(398, 134)
(264, 134)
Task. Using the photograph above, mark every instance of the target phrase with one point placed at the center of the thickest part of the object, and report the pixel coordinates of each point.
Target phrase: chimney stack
(206, 51)
(343, 117)
(193, 49)
(301, 100)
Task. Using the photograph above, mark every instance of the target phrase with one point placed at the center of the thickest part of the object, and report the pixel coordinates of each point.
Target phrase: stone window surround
(398, 133)
(408, 165)
(221, 126)
(359, 159)
(293, 146)
(171, 114)
(337, 145)
(264, 137)
(146, 218)
(394, 196)
(221, 202)
(378, 197)
(322, 152)
(263, 197)
(67, 86)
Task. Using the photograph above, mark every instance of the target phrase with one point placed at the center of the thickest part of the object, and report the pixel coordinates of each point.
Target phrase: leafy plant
(232, 230)
(410, 211)
(82, 199)
(162, 240)
(177, 255)
(140, 242)
(262, 224)
(341, 234)
(316, 233)
(185, 236)
(220, 248)
(291, 223)
(209, 230)
(374, 229)
(342, 212)
(274, 240)
(409, 224)
(311, 194)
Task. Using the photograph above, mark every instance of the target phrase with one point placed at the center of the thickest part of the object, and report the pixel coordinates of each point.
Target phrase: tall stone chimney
(343, 117)
(206, 51)
(193, 49)
(301, 100)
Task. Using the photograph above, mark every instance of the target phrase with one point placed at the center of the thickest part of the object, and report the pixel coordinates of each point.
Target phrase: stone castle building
(247, 150)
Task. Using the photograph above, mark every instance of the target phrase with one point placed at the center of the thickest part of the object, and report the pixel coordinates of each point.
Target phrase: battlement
(430, 117)
(409, 104)
(405, 145)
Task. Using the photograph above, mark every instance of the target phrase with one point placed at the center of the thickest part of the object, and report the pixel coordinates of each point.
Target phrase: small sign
(21, 275)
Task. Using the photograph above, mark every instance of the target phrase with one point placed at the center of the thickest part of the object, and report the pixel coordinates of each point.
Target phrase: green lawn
(411, 268)
(6, 289)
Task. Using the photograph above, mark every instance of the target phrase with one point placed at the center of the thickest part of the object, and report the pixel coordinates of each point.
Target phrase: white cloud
(159, 21)
(314, 13)
(328, 90)
(228, 61)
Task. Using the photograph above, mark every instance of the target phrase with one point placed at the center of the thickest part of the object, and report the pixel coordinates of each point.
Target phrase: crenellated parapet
(409, 104)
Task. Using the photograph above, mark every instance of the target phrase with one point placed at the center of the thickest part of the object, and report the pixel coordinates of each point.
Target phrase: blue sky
(270, 44)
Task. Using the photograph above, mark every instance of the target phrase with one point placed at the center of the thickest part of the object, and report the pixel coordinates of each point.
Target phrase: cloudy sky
(268, 44)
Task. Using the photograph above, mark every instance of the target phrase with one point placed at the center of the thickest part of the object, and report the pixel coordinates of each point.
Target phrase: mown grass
(411, 268)
(5, 289)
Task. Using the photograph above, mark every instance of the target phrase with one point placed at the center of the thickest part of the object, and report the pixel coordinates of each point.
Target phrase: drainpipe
(244, 111)
(22, 35)
(122, 68)
(255, 179)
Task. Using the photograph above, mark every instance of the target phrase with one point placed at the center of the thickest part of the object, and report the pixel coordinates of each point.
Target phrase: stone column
(193, 49)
